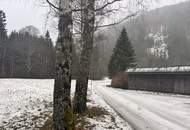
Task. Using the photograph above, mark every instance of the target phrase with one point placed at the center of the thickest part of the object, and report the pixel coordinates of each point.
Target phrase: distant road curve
(146, 110)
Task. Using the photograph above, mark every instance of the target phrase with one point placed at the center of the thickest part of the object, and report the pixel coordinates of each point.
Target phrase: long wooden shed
(169, 80)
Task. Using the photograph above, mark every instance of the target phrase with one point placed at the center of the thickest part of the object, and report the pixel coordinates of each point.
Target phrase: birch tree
(92, 12)
(62, 110)
(88, 17)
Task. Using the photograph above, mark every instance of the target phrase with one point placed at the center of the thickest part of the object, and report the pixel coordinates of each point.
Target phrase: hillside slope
(160, 37)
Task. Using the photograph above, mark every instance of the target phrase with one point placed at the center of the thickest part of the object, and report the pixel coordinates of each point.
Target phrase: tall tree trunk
(29, 56)
(12, 67)
(88, 19)
(3, 62)
(62, 110)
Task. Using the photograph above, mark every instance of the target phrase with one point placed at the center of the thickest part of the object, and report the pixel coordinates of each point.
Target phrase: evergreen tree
(40, 60)
(3, 40)
(3, 31)
(123, 56)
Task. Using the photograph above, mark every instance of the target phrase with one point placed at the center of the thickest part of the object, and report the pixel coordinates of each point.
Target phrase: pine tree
(123, 56)
(3, 31)
(3, 40)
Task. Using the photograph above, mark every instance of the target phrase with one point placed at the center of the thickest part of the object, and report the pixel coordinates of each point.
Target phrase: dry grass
(79, 120)
(48, 125)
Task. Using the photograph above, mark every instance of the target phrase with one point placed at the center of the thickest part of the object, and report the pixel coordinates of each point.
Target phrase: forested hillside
(25, 54)
(28, 56)
(160, 37)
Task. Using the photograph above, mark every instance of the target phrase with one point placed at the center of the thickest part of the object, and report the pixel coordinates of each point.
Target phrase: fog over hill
(161, 37)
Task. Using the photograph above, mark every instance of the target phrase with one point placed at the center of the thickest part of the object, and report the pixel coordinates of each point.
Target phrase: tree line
(25, 55)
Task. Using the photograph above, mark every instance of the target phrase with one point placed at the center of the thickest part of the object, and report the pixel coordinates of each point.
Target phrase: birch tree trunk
(88, 19)
(62, 111)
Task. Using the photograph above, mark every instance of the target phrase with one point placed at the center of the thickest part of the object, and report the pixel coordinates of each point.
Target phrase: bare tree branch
(107, 4)
(119, 22)
(52, 5)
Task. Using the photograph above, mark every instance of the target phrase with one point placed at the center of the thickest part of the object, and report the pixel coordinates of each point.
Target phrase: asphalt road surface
(147, 110)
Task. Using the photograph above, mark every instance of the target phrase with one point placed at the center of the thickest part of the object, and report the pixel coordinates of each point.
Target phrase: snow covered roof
(166, 69)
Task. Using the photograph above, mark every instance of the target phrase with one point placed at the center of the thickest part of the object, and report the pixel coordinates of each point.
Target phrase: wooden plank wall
(160, 82)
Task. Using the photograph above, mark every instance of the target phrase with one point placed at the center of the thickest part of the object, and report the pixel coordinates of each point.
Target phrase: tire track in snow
(135, 113)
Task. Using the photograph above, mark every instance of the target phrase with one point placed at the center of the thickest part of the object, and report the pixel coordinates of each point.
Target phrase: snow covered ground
(147, 110)
(112, 121)
(25, 104)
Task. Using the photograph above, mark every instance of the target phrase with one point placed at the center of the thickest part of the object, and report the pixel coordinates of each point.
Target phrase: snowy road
(146, 110)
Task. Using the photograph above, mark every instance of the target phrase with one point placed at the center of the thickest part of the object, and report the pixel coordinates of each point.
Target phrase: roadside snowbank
(111, 121)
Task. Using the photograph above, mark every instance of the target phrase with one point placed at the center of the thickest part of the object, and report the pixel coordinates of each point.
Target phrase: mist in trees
(25, 54)
(30, 56)
(98, 68)
(172, 21)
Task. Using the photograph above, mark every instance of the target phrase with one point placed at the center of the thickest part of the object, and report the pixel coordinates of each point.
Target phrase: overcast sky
(20, 13)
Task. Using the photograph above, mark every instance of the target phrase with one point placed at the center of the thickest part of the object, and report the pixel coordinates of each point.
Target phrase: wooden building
(169, 80)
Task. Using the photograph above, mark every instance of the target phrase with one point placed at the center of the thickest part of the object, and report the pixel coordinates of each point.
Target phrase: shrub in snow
(120, 80)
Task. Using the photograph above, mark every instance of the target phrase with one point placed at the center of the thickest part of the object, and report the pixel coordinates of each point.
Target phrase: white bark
(87, 45)
(62, 111)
